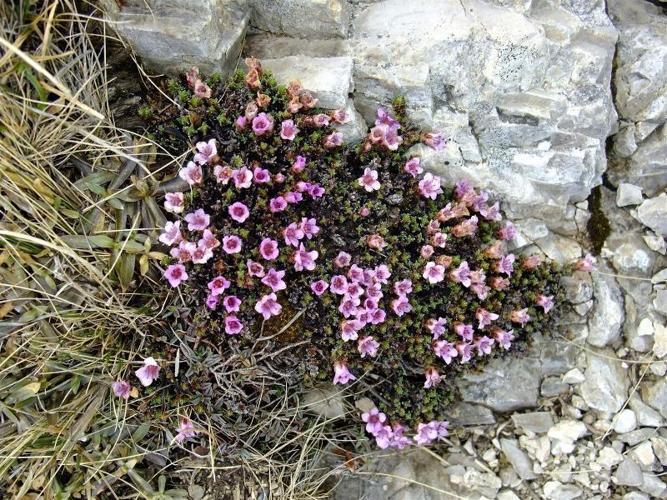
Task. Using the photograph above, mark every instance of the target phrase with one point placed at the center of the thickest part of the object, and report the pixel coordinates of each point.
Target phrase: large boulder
(302, 18)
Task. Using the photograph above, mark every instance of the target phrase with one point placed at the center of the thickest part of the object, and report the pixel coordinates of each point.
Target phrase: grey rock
(629, 253)
(464, 414)
(564, 434)
(653, 213)
(538, 422)
(655, 395)
(660, 448)
(606, 385)
(555, 490)
(625, 421)
(302, 18)
(660, 277)
(553, 386)
(635, 495)
(328, 78)
(646, 416)
(643, 455)
(578, 287)
(354, 130)
(518, 458)
(574, 376)
(652, 485)
(628, 473)
(174, 35)
(628, 194)
(608, 457)
(660, 301)
(660, 340)
(606, 319)
(325, 402)
(638, 436)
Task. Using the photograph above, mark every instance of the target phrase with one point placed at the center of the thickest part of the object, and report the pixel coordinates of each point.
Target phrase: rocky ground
(560, 106)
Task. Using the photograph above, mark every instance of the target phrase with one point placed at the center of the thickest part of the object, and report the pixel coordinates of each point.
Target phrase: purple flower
(507, 232)
(183, 252)
(413, 166)
(149, 372)
(492, 212)
(262, 124)
(433, 378)
(587, 263)
(174, 202)
(274, 279)
(520, 316)
(426, 251)
(321, 120)
(401, 305)
(343, 259)
(319, 287)
(288, 130)
(277, 204)
(341, 374)
(349, 329)
(207, 151)
(304, 259)
(121, 389)
(232, 325)
(232, 303)
(403, 287)
(241, 123)
(461, 274)
(198, 220)
(464, 331)
(309, 227)
(445, 350)
(316, 191)
(436, 326)
(383, 118)
(384, 437)
(261, 175)
(202, 253)
(231, 244)
(255, 268)
(192, 173)
(374, 420)
(268, 306)
(465, 351)
(172, 233)
(293, 234)
(434, 273)
(223, 174)
(339, 284)
(504, 338)
(382, 274)
(176, 274)
(434, 140)
(484, 317)
(367, 346)
(333, 140)
(218, 285)
(242, 178)
(299, 164)
(268, 248)
(483, 345)
(429, 186)
(212, 301)
(209, 240)
(369, 181)
(467, 227)
(398, 440)
(238, 211)
(546, 302)
(186, 430)
(506, 264)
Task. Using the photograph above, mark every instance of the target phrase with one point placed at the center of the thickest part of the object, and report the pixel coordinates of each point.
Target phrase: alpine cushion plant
(393, 279)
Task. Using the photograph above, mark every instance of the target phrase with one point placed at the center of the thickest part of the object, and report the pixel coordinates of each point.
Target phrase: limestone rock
(606, 384)
(564, 434)
(555, 490)
(625, 421)
(660, 301)
(538, 422)
(328, 78)
(660, 340)
(607, 317)
(653, 213)
(646, 416)
(628, 194)
(518, 458)
(462, 414)
(655, 395)
(174, 35)
(325, 402)
(628, 474)
(354, 130)
(302, 18)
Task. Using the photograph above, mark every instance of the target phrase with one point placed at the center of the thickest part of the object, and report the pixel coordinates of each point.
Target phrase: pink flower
(433, 378)
(198, 220)
(186, 430)
(212, 302)
(365, 211)
(176, 274)
(293, 197)
(223, 174)
(374, 420)
(403, 287)
(192, 173)
(434, 273)
(483, 345)
(546, 302)
(445, 350)
(321, 120)
(436, 327)
(413, 166)
(232, 325)
(268, 306)
(121, 389)
(274, 279)
(503, 337)
(507, 232)
(299, 164)
(349, 329)
(277, 204)
(520, 316)
(367, 346)
(492, 212)
(467, 227)
(242, 178)
(172, 233)
(339, 284)
(319, 287)
(333, 140)
(293, 234)
(384, 437)
(343, 259)
(499, 283)
(209, 240)
(484, 317)
(401, 306)
(261, 175)
(434, 140)
(268, 248)
(348, 306)
(369, 181)
(251, 110)
(262, 124)
(202, 90)
(232, 244)
(377, 316)
(149, 372)
(464, 331)
(255, 268)
(192, 76)
(341, 374)
(279, 178)
(429, 186)
(340, 116)
(238, 211)
(232, 303)
(174, 203)
(184, 251)
(465, 351)
(382, 274)
(461, 274)
(384, 118)
(316, 191)
(376, 242)
(531, 262)
(439, 240)
(288, 130)
(426, 251)
(218, 285)
(506, 264)
(309, 227)
(202, 253)
(304, 259)
(587, 263)
(432, 431)
(241, 123)
(207, 151)
(452, 212)
(494, 251)
(399, 440)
